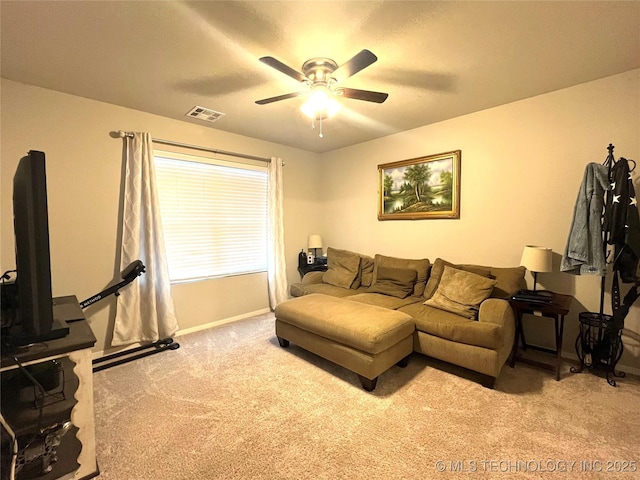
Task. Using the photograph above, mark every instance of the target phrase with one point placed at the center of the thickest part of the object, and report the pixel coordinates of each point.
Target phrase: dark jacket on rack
(584, 253)
(623, 222)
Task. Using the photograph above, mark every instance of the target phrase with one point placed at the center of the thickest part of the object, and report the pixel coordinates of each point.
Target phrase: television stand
(18, 339)
(51, 419)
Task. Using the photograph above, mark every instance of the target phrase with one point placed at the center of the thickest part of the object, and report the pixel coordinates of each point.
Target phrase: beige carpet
(232, 404)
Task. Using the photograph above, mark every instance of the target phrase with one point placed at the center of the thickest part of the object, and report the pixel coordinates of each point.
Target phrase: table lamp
(536, 259)
(314, 243)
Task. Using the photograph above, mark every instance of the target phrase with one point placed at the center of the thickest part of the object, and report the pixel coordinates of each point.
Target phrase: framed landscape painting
(420, 188)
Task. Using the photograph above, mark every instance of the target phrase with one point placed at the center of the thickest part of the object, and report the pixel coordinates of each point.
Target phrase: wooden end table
(556, 310)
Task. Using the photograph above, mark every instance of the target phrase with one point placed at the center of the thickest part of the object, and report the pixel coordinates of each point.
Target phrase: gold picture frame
(420, 188)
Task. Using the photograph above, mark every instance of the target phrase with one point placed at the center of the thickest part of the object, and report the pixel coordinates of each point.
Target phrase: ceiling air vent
(205, 114)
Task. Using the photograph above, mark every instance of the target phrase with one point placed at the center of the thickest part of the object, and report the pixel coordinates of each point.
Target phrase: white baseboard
(179, 333)
(221, 322)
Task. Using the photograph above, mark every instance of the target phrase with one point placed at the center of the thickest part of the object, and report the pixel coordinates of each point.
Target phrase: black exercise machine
(128, 275)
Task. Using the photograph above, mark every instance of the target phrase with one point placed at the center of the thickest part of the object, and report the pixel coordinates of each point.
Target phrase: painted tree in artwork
(446, 179)
(417, 176)
(387, 185)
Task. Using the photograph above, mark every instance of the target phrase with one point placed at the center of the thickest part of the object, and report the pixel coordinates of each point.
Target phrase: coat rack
(599, 344)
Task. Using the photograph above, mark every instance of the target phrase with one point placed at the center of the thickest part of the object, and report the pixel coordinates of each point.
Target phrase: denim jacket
(584, 253)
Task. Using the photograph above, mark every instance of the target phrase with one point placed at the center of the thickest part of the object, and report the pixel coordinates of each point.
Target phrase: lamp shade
(536, 259)
(315, 241)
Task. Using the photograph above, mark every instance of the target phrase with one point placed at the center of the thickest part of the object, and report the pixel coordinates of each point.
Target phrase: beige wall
(84, 178)
(522, 164)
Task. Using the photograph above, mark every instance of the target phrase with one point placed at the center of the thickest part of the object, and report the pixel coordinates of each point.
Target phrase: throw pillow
(366, 268)
(438, 268)
(342, 268)
(421, 266)
(510, 280)
(461, 292)
(396, 282)
(365, 273)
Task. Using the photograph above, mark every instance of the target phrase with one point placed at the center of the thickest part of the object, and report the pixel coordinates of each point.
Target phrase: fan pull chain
(313, 126)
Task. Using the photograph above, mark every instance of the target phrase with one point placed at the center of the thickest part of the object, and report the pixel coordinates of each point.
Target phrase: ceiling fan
(321, 77)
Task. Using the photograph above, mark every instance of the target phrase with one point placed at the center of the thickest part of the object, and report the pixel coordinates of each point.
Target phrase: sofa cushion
(508, 281)
(421, 266)
(343, 268)
(438, 269)
(366, 270)
(386, 301)
(331, 290)
(396, 282)
(455, 328)
(461, 292)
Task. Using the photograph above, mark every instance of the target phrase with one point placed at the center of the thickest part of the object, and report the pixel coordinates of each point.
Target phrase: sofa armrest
(312, 278)
(496, 310)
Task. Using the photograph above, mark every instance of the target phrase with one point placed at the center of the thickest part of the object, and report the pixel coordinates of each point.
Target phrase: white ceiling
(437, 60)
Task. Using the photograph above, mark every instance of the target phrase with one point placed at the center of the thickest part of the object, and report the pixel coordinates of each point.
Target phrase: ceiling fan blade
(281, 67)
(264, 101)
(366, 95)
(359, 62)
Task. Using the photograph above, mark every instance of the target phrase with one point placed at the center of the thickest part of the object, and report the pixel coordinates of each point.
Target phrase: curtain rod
(123, 134)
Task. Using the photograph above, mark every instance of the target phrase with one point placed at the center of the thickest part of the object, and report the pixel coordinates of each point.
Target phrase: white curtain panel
(145, 311)
(276, 265)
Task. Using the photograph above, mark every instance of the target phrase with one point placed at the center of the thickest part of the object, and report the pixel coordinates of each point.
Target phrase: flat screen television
(34, 318)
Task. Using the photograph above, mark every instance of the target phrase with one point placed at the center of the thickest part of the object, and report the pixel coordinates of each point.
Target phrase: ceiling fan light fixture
(322, 75)
(320, 104)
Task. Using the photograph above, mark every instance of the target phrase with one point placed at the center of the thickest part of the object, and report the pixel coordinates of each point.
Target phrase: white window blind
(214, 216)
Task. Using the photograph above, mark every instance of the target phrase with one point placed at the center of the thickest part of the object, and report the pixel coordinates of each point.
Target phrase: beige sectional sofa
(461, 312)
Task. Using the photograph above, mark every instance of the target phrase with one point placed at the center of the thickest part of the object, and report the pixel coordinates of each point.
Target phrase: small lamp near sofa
(313, 244)
(536, 259)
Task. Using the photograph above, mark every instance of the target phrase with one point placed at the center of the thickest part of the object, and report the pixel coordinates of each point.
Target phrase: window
(214, 215)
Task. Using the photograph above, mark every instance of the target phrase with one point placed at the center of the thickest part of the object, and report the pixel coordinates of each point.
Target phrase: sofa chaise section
(481, 345)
